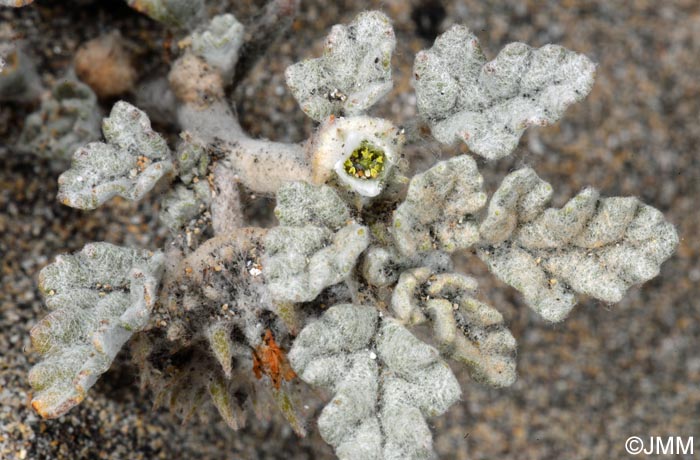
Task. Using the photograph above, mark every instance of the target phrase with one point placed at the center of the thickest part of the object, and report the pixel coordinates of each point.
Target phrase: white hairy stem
(261, 165)
(226, 209)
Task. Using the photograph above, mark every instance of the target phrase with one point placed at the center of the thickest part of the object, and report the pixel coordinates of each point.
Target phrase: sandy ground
(585, 386)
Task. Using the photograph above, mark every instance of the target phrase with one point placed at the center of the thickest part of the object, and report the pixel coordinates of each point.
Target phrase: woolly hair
(488, 105)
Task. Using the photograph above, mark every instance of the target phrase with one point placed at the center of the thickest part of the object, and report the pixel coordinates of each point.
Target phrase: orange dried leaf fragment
(269, 359)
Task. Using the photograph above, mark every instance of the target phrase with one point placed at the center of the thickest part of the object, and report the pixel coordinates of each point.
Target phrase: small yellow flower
(365, 162)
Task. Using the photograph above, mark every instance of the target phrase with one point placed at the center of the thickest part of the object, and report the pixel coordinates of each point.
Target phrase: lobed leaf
(99, 298)
(488, 105)
(385, 382)
(440, 207)
(467, 330)
(353, 73)
(219, 43)
(132, 161)
(299, 204)
(69, 118)
(302, 261)
(593, 246)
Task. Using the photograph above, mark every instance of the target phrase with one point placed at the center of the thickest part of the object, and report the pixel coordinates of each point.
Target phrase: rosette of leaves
(129, 164)
(353, 73)
(229, 307)
(593, 246)
(385, 383)
(68, 119)
(488, 105)
(99, 298)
